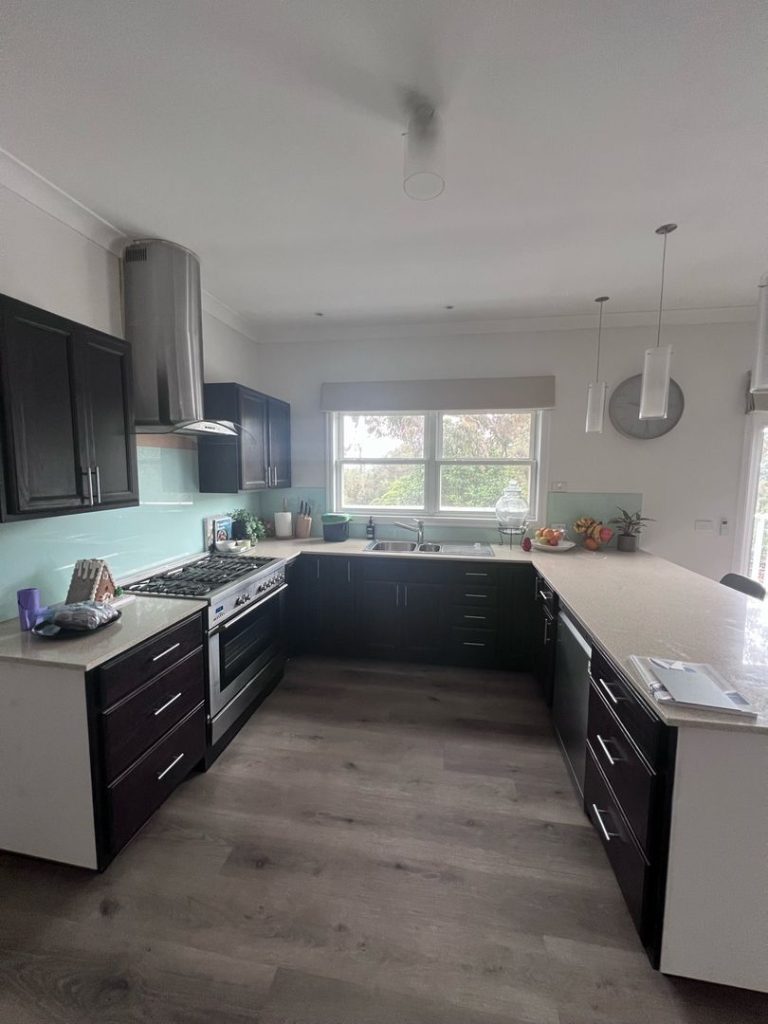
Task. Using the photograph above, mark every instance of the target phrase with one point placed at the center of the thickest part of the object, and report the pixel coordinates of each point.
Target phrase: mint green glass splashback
(567, 506)
(167, 524)
(563, 507)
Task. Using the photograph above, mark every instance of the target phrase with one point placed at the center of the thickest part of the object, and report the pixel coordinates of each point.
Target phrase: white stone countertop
(141, 619)
(634, 603)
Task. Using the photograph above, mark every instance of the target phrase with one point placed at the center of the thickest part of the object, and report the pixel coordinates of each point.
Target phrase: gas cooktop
(202, 577)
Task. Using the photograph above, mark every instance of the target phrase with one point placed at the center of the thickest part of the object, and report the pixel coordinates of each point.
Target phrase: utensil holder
(303, 526)
(283, 525)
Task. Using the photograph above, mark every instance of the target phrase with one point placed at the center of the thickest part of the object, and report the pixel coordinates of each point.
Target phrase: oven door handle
(253, 607)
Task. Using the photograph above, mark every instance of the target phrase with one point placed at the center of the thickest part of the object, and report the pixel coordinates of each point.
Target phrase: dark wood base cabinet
(440, 612)
(147, 725)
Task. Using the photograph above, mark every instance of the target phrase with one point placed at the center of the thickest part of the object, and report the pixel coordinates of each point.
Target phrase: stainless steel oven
(246, 655)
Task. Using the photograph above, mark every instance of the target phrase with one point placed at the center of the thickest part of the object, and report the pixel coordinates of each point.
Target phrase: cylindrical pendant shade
(596, 406)
(760, 372)
(654, 396)
(423, 173)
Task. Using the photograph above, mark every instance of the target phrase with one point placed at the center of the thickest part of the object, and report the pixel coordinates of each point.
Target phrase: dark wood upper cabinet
(106, 405)
(67, 432)
(260, 456)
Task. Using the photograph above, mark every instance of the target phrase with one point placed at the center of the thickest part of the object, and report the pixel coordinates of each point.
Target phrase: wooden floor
(380, 845)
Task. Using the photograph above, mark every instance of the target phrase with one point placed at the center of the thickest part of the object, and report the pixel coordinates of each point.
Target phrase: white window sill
(381, 519)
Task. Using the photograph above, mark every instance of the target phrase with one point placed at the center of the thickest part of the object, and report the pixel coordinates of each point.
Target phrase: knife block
(303, 526)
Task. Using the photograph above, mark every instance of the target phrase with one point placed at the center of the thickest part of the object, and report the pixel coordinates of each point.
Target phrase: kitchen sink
(391, 545)
(406, 547)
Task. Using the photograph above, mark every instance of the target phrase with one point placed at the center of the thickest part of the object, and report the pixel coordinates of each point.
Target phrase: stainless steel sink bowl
(391, 545)
(430, 547)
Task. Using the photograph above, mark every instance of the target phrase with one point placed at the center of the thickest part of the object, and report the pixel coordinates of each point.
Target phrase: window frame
(433, 461)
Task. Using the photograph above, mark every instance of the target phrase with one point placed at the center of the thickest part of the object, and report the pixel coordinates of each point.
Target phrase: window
(752, 540)
(434, 463)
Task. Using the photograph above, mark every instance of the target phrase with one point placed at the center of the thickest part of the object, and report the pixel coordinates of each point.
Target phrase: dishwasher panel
(570, 700)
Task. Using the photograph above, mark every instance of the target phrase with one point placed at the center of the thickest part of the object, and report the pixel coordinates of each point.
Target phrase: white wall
(51, 264)
(692, 473)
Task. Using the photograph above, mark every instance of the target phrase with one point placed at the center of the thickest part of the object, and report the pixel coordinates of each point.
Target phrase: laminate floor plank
(382, 843)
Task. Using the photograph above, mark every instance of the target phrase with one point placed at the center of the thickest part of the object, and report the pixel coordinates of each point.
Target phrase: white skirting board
(716, 911)
(46, 802)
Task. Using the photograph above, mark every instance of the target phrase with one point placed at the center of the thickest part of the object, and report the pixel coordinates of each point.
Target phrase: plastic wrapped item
(82, 617)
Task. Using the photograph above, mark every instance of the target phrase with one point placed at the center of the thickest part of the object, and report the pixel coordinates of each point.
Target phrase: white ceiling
(266, 136)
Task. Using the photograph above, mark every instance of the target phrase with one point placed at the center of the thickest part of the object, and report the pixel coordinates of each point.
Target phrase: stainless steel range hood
(163, 323)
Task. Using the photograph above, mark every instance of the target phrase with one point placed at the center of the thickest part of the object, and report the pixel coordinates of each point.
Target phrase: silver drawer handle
(473, 643)
(475, 573)
(611, 759)
(162, 654)
(483, 617)
(483, 596)
(172, 700)
(545, 595)
(611, 695)
(599, 815)
(173, 763)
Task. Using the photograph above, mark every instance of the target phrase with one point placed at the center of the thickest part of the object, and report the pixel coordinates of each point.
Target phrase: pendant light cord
(664, 230)
(661, 291)
(601, 300)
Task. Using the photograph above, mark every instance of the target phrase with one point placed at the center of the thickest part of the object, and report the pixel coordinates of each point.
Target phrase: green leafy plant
(630, 524)
(246, 526)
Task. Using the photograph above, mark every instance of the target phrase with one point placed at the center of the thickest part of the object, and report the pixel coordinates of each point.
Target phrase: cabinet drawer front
(633, 783)
(137, 794)
(475, 595)
(472, 572)
(127, 673)
(628, 863)
(132, 726)
(473, 646)
(474, 617)
(645, 727)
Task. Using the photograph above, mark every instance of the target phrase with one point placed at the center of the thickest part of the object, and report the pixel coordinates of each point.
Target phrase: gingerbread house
(91, 581)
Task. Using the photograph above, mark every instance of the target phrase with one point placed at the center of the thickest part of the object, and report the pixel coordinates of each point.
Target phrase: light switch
(703, 526)
(723, 527)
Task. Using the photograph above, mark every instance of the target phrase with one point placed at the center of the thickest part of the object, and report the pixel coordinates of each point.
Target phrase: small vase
(626, 543)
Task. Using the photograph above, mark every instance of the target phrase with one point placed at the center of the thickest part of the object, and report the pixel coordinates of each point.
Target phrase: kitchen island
(707, 853)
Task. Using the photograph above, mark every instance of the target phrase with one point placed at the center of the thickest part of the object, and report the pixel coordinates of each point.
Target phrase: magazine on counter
(691, 685)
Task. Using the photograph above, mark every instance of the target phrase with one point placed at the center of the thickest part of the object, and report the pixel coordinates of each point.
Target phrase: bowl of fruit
(550, 539)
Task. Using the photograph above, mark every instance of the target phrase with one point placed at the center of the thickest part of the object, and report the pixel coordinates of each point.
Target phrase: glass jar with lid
(512, 508)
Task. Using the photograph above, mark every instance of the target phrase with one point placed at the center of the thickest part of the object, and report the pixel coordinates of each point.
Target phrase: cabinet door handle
(87, 472)
(473, 643)
(274, 475)
(349, 571)
(173, 764)
(611, 695)
(545, 595)
(481, 617)
(599, 815)
(168, 650)
(397, 595)
(317, 568)
(98, 485)
(484, 597)
(611, 759)
(475, 573)
(167, 704)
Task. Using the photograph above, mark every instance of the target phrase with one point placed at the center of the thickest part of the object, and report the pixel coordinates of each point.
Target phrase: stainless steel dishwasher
(570, 698)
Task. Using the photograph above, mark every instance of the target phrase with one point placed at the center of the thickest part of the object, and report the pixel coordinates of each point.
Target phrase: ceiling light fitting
(759, 384)
(654, 396)
(422, 176)
(597, 388)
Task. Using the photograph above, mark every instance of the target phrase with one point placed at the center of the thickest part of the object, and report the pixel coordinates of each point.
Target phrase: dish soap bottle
(370, 529)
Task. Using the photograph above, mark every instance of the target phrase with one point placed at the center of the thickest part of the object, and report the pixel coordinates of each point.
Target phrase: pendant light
(422, 164)
(759, 383)
(597, 388)
(654, 397)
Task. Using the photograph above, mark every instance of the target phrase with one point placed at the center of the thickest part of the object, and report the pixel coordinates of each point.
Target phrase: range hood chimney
(163, 323)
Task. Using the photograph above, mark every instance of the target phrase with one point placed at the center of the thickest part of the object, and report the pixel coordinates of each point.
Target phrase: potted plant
(246, 526)
(630, 526)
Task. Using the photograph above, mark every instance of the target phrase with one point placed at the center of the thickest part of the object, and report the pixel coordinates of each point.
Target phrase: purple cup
(29, 607)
